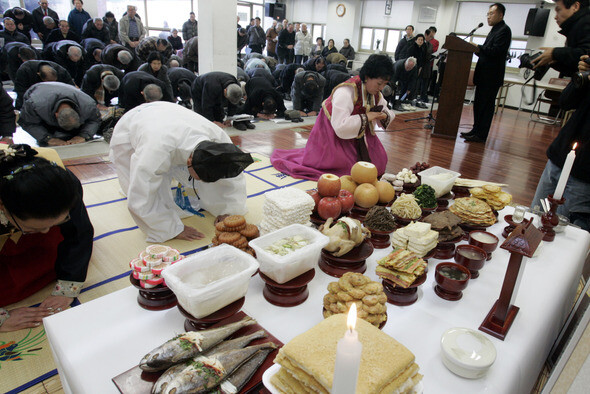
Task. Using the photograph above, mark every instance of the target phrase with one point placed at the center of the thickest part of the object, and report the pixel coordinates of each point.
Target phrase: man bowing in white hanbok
(156, 143)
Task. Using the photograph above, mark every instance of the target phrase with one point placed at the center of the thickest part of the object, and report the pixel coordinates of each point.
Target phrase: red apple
(346, 200)
(329, 207)
(316, 198)
(329, 185)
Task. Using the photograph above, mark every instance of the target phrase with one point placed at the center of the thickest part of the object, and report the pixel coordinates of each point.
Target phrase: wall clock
(340, 10)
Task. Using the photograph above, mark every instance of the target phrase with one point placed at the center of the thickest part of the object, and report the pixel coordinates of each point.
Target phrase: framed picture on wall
(388, 4)
(427, 14)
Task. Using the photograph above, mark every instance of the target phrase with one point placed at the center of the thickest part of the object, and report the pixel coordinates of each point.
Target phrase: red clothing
(28, 265)
(435, 44)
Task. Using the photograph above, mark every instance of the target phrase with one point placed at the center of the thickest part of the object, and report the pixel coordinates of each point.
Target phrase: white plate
(419, 389)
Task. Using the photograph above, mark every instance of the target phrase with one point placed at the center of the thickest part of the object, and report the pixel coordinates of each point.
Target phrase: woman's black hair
(155, 55)
(419, 35)
(33, 187)
(333, 42)
(109, 14)
(377, 66)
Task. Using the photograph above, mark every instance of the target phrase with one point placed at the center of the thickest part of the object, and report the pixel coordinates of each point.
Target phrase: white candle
(348, 358)
(565, 173)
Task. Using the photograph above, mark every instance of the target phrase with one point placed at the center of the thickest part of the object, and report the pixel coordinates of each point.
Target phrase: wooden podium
(452, 95)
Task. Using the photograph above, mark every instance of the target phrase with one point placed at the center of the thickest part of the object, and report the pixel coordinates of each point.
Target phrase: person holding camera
(489, 73)
(573, 17)
(577, 190)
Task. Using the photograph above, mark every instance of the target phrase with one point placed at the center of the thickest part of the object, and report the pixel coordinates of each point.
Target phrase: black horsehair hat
(213, 161)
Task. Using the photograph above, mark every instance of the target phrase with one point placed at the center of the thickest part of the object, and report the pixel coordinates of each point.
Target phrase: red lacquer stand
(358, 213)
(193, 324)
(291, 293)
(155, 299)
(353, 261)
(401, 296)
(550, 219)
(523, 241)
(380, 239)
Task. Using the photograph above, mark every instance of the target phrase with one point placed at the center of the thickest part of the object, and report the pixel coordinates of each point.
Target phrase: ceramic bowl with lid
(467, 353)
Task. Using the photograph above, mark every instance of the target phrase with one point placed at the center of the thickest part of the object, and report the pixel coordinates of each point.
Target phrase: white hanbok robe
(149, 148)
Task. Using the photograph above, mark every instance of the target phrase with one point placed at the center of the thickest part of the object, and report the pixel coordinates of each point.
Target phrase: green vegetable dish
(425, 196)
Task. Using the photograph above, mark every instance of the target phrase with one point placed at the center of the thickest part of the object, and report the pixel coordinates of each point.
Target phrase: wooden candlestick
(523, 241)
(551, 219)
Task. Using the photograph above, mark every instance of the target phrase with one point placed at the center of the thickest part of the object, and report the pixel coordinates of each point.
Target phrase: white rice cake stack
(399, 238)
(286, 206)
(421, 239)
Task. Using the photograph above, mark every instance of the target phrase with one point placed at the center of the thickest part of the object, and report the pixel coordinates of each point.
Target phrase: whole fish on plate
(188, 345)
(205, 373)
(237, 343)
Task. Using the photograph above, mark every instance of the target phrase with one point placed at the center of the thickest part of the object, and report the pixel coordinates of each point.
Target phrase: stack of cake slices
(416, 237)
(307, 361)
(286, 206)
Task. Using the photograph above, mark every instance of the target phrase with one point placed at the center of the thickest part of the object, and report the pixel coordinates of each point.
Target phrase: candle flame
(575, 145)
(351, 320)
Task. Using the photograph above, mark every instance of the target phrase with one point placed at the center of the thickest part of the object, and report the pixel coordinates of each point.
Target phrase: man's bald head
(124, 57)
(47, 73)
(152, 92)
(75, 53)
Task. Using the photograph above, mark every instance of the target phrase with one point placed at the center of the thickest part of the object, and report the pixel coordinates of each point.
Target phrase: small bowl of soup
(482, 239)
(470, 257)
(451, 280)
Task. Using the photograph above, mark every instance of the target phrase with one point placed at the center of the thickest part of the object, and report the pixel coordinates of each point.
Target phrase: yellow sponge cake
(307, 361)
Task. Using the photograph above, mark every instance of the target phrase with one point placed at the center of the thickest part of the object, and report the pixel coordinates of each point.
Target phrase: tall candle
(348, 358)
(565, 173)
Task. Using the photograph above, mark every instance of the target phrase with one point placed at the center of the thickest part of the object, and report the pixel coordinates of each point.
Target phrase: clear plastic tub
(209, 280)
(440, 183)
(282, 269)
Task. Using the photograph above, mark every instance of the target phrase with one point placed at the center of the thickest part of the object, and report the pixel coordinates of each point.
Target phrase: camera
(525, 62)
(580, 79)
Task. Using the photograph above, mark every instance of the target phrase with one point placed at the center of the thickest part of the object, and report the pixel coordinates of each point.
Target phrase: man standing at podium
(489, 73)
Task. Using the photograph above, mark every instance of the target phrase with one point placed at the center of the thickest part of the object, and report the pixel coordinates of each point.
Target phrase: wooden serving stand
(358, 213)
(155, 299)
(291, 293)
(454, 85)
(401, 296)
(353, 261)
(523, 241)
(551, 219)
(380, 239)
(193, 324)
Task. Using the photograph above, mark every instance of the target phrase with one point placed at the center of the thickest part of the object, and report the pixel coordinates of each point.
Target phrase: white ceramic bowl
(467, 353)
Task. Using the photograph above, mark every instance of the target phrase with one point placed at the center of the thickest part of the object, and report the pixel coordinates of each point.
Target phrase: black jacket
(176, 42)
(577, 129)
(58, 52)
(109, 56)
(10, 60)
(334, 78)
(576, 29)
(7, 116)
(132, 85)
(286, 39)
(400, 50)
(492, 54)
(208, 97)
(38, 25)
(90, 45)
(113, 29)
(326, 51)
(301, 100)
(55, 36)
(14, 36)
(27, 75)
(92, 81)
(90, 31)
(178, 75)
(262, 73)
(257, 89)
(287, 75)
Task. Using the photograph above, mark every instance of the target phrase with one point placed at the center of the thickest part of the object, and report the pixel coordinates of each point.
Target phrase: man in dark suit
(38, 14)
(489, 73)
(62, 33)
(35, 71)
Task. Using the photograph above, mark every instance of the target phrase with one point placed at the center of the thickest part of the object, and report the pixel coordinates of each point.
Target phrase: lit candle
(565, 173)
(348, 358)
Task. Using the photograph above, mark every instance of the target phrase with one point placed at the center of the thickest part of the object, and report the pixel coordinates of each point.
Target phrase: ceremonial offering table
(99, 340)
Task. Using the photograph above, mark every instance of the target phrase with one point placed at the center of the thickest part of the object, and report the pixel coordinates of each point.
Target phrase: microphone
(473, 31)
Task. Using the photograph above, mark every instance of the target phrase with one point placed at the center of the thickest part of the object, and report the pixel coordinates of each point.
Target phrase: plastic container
(440, 186)
(210, 280)
(282, 269)
(467, 353)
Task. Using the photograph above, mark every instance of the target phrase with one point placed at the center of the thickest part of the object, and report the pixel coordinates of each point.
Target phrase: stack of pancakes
(401, 267)
(473, 211)
(447, 225)
(493, 195)
(307, 361)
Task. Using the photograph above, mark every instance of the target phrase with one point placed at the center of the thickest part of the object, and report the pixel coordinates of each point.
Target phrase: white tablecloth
(98, 340)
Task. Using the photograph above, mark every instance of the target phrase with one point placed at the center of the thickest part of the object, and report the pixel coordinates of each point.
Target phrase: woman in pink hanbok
(344, 131)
